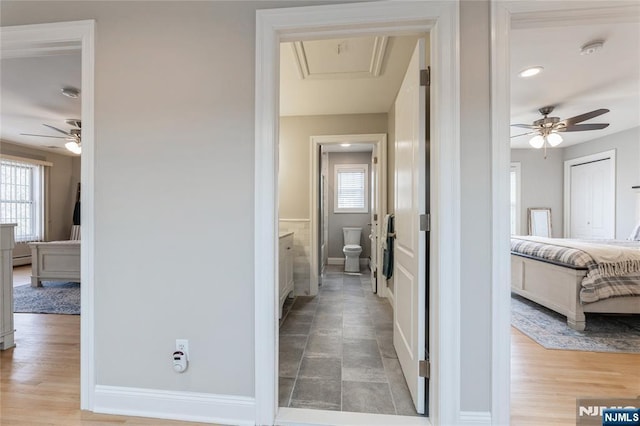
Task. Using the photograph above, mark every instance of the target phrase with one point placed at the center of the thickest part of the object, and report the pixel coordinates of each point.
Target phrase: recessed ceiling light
(346, 145)
(530, 72)
(591, 47)
(70, 92)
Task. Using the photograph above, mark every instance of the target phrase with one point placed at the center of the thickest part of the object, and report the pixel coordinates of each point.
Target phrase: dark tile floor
(336, 350)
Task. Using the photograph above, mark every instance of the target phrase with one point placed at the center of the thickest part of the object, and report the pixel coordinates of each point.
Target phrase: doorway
(80, 35)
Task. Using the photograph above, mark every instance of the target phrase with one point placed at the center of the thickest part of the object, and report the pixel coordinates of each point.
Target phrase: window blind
(351, 186)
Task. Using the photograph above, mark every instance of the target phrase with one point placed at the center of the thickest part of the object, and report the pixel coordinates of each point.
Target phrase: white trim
(26, 160)
(82, 32)
(185, 406)
(304, 416)
(605, 155)
(441, 20)
(379, 139)
(476, 418)
(500, 236)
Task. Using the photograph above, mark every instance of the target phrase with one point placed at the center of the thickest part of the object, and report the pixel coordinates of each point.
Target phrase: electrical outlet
(182, 345)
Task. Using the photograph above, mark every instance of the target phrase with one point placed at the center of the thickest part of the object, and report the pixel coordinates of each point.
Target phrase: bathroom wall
(337, 221)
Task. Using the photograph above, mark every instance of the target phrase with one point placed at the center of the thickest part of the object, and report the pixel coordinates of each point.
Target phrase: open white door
(409, 251)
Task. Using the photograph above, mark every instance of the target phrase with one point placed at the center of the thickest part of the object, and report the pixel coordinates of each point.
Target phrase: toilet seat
(352, 247)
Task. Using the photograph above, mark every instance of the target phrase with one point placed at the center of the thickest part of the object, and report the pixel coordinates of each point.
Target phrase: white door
(373, 227)
(592, 200)
(409, 250)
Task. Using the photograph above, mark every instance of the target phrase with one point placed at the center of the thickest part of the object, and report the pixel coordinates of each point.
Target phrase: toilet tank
(351, 236)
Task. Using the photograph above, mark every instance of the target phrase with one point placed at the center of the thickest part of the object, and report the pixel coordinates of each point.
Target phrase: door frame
(441, 20)
(378, 139)
(32, 38)
(605, 155)
(506, 15)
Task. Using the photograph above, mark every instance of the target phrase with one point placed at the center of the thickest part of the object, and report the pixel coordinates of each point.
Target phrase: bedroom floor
(336, 350)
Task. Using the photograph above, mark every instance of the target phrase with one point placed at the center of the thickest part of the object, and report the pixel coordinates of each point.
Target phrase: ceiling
(363, 75)
(31, 96)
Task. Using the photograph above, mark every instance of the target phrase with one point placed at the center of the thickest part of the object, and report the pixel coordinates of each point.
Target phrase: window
(515, 199)
(21, 198)
(351, 188)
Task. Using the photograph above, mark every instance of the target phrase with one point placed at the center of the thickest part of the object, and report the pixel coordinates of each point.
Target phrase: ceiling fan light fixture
(554, 139)
(537, 141)
(70, 92)
(74, 147)
(530, 72)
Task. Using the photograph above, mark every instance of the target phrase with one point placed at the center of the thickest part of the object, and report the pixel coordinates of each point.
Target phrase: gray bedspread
(595, 286)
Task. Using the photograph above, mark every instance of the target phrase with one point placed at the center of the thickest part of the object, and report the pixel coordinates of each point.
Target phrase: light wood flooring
(40, 378)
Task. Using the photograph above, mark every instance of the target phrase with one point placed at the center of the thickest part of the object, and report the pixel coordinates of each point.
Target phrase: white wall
(174, 168)
(475, 203)
(627, 147)
(295, 153)
(541, 185)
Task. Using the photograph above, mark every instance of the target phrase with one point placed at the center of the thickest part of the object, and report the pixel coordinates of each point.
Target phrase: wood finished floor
(40, 378)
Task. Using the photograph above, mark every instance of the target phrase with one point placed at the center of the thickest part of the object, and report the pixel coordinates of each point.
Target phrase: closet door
(592, 200)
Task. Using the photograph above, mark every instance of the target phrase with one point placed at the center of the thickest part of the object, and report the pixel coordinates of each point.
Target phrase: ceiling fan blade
(58, 130)
(43, 136)
(524, 134)
(583, 117)
(526, 126)
(583, 127)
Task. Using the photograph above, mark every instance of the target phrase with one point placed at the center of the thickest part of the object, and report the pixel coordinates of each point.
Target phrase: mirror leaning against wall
(539, 221)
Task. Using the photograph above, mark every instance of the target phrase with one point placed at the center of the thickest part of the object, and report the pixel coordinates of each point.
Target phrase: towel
(387, 244)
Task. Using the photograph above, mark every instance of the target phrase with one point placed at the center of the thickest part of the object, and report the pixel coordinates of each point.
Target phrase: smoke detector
(591, 47)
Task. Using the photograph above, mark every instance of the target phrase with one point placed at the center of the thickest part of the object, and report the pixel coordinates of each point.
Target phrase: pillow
(635, 234)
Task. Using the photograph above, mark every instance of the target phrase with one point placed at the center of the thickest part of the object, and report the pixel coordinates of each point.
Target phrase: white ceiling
(576, 83)
(31, 96)
(351, 76)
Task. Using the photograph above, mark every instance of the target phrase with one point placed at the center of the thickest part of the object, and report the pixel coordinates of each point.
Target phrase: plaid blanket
(595, 286)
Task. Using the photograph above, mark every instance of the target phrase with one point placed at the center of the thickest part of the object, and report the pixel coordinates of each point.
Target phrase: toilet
(352, 249)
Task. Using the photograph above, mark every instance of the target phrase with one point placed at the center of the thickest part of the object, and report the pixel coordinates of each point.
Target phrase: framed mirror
(539, 221)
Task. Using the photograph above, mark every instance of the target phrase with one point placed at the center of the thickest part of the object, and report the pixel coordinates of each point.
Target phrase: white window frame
(340, 168)
(37, 198)
(516, 168)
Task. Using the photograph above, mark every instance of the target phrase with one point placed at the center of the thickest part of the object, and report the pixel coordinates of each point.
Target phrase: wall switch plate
(182, 345)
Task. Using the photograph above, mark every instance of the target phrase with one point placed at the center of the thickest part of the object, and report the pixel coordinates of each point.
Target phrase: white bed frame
(558, 288)
(55, 261)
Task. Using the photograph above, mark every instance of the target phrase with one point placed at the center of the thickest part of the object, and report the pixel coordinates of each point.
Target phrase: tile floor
(336, 350)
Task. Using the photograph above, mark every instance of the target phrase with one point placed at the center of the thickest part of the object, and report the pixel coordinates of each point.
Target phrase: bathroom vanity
(285, 268)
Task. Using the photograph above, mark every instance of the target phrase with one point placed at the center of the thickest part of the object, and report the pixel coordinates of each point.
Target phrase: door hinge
(375, 160)
(425, 77)
(375, 274)
(425, 222)
(425, 368)
(375, 216)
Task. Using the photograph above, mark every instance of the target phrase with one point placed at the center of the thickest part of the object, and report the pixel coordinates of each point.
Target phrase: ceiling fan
(73, 136)
(547, 129)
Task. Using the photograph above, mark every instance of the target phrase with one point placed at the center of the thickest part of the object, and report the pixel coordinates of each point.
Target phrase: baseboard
(22, 260)
(185, 406)
(364, 261)
(475, 418)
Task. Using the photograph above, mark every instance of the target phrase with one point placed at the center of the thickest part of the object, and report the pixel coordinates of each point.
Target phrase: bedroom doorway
(60, 37)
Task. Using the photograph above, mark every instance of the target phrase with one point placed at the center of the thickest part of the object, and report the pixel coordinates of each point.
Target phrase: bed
(55, 261)
(574, 277)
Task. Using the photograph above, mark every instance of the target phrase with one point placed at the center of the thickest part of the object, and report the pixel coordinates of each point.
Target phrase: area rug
(51, 298)
(604, 332)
